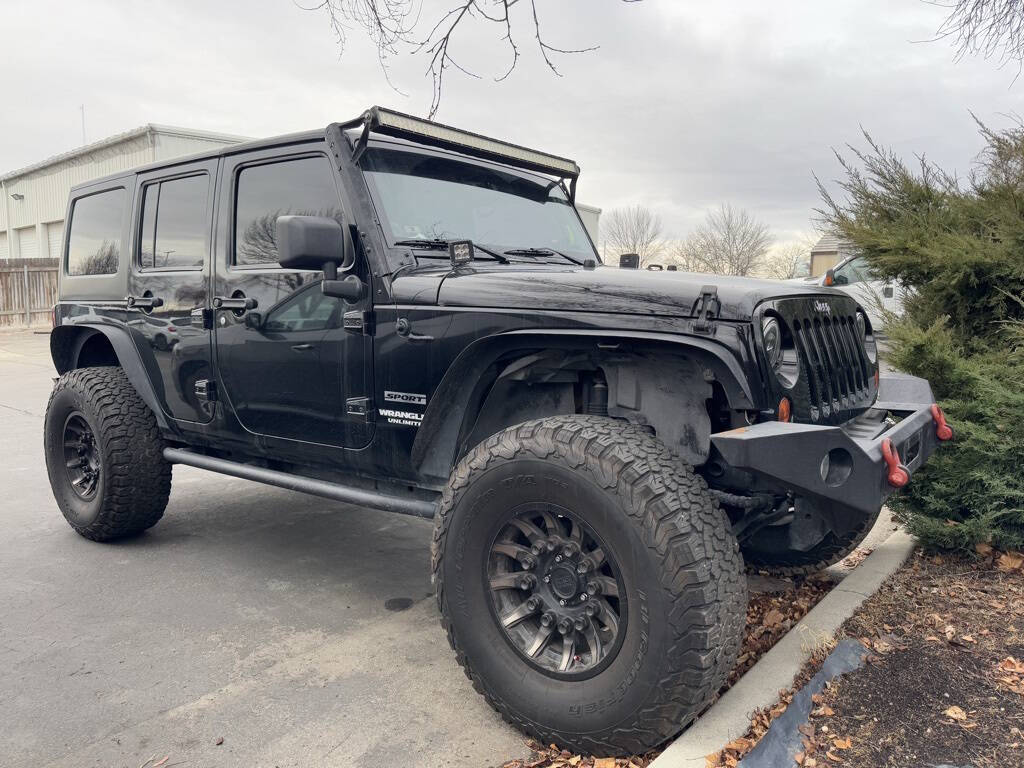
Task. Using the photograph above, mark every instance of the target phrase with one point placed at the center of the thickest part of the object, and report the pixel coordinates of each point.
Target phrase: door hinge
(360, 408)
(206, 390)
(204, 316)
(706, 309)
(360, 321)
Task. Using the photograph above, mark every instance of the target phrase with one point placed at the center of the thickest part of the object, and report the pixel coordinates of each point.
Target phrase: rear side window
(94, 245)
(174, 223)
(304, 187)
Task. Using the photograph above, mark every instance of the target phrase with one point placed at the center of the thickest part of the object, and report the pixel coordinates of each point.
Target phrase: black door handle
(302, 347)
(404, 329)
(143, 302)
(241, 303)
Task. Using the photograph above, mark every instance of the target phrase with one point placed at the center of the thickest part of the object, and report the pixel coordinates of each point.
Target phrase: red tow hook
(898, 475)
(942, 430)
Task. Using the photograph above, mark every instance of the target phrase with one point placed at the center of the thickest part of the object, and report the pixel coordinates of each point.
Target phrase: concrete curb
(729, 717)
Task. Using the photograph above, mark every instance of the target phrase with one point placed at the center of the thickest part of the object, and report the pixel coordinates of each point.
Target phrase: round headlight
(772, 335)
(862, 326)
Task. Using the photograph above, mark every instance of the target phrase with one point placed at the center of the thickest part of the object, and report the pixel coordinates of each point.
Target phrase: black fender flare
(66, 342)
(466, 381)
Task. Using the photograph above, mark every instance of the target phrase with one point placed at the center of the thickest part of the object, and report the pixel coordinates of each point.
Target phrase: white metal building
(35, 197)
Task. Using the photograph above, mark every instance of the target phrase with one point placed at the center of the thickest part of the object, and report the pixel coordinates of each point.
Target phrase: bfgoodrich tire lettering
(680, 564)
(133, 480)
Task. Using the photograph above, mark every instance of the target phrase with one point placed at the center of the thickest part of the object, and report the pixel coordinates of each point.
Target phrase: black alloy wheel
(81, 456)
(556, 592)
(104, 454)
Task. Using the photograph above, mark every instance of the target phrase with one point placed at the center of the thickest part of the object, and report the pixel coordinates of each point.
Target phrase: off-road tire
(793, 563)
(684, 576)
(134, 478)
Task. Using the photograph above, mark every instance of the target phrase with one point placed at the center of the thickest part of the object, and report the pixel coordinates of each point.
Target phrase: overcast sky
(684, 105)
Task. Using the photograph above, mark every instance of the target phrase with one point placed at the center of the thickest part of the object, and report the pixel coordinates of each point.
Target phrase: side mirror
(318, 242)
(830, 277)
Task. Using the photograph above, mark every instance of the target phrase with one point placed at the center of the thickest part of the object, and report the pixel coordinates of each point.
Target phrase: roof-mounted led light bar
(422, 131)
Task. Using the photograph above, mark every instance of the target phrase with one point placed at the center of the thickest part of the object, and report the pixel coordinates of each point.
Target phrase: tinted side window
(854, 271)
(174, 224)
(94, 245)
(304, 187)
(305, 310)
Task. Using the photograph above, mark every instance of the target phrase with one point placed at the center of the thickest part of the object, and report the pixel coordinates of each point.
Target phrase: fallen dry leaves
(855, 558)
(770, 615)
(553, 757)
(1010, 675)
(1010, 561)
(956, 713)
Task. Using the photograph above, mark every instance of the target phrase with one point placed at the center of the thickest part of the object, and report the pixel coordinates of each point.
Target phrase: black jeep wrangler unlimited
(410, 317)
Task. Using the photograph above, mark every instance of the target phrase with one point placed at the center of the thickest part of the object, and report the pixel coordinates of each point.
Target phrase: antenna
(82, 109)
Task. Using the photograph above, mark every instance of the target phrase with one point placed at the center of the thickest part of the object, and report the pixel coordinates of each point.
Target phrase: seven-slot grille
(839, 374)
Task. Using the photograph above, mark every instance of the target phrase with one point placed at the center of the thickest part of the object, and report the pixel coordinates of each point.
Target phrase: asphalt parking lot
(249, 614)
(302, 632)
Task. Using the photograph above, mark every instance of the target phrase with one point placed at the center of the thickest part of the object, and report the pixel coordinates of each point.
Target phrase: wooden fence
(28, 291)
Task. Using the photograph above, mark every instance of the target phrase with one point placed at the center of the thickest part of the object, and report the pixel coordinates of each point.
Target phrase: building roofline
(147, 129)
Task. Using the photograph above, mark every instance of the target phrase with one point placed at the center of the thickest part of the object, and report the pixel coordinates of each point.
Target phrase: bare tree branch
(728, 242)
(393, 27)
(631, 230)
(993, 29)
(787, 260)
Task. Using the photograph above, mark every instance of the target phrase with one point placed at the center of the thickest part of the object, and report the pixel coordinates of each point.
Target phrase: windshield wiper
(541, 252)
(437, 244)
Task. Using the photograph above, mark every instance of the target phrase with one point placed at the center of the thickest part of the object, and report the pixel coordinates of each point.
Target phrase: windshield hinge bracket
(706, 309)
(360, 322)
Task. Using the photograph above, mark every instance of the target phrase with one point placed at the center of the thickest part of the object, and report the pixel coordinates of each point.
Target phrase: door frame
(137, 276)
(222, 268)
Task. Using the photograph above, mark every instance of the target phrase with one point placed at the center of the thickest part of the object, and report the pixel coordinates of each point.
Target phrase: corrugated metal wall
(45, 192)
(26, 237)
(54, 238)
(42, 195)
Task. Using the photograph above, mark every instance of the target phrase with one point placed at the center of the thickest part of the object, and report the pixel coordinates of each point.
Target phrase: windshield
(426, 197)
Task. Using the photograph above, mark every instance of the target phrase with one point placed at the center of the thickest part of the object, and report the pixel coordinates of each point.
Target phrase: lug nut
(593, 587)
(584, 565)
(593, 609)
(581, 623)
(547, 620)
(551, 544)
(571, 549)
(533, 603)
(528, 581)
(528, 562)
(564, 626)
(537, 548)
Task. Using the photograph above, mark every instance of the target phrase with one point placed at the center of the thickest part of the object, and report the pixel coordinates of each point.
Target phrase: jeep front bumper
(845, 465)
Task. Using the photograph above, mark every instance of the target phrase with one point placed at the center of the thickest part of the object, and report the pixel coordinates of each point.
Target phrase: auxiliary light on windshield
(400, 125)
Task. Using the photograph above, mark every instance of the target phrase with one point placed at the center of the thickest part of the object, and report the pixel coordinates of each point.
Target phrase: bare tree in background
(631, 230)
(396, 27)
(788, 260)
(728, 242)
(990, 28)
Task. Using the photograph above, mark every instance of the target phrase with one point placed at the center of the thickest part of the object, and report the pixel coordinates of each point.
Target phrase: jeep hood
(608, 290)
